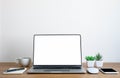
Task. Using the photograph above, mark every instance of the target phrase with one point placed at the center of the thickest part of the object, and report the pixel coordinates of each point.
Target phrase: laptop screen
(57, 49)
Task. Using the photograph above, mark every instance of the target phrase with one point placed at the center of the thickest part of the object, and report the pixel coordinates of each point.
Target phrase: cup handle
(17, 60)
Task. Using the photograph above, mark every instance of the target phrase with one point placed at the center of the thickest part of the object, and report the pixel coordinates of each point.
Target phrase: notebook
(15, 72)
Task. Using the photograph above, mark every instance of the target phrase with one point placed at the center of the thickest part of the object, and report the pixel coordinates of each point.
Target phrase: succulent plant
(90, 58)
(98, 57)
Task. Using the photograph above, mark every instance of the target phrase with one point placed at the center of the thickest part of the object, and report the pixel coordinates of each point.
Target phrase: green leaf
(90, 58)
(98, 57)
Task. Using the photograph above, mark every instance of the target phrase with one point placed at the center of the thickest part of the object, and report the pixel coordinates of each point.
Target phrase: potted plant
(99, 60)
(90, 61)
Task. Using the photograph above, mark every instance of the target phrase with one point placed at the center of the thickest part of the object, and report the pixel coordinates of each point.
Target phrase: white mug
(23, 61)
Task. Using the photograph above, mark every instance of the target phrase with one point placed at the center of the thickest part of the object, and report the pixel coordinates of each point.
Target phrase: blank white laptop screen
(57, 50)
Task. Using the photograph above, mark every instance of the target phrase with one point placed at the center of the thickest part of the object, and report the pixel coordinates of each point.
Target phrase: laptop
(57, 53)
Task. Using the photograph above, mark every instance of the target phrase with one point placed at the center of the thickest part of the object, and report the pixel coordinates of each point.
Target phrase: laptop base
(72, 71)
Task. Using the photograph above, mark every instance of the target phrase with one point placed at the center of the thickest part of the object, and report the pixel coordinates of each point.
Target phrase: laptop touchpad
(56, 70)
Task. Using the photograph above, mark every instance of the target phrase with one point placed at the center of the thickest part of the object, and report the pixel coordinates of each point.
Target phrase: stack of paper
(15, 72)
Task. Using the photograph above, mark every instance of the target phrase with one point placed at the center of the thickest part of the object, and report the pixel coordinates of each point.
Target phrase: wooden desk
(4, 66)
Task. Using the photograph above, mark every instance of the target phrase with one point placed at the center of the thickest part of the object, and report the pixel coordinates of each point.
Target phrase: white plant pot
(99, 63)
(90, 63)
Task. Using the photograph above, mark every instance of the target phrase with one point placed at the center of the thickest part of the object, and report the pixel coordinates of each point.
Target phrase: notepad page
(15, 72)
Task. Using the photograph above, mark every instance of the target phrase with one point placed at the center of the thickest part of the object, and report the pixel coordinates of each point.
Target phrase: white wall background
(0, 28)
(98, 21)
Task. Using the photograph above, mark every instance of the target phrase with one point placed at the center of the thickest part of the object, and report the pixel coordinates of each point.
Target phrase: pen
(10, 70)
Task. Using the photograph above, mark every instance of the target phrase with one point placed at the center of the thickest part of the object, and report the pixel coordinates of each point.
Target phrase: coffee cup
(23, 61)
